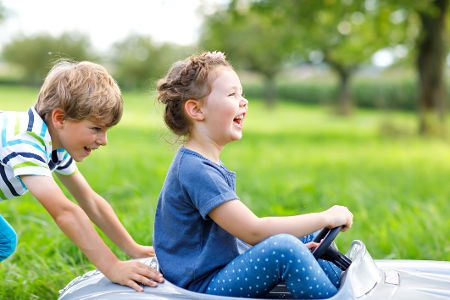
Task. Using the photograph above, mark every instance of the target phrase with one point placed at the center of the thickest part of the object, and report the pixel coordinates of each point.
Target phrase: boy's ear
(57, 117)
(193, 109)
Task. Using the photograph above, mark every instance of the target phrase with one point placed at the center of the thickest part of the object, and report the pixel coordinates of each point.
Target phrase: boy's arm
(76, 225)
(102, 214)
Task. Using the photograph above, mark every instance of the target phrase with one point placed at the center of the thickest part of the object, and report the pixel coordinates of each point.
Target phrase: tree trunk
(270, 92)
(345, 103)
(430, 66)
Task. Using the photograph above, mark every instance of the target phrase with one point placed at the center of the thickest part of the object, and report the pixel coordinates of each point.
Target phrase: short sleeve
(67, 166)
(206, 185)
(26, 158)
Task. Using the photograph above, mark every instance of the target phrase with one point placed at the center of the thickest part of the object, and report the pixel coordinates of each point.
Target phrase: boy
(77, 104)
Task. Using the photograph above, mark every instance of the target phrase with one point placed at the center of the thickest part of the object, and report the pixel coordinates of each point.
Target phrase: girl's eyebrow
(235, 87)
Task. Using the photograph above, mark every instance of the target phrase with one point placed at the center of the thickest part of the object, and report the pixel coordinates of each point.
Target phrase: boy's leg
(280, 258)
(8, 239)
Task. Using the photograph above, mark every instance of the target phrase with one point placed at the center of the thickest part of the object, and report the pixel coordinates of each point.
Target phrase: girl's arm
(74, 222)
(237, 219)
(102, 214)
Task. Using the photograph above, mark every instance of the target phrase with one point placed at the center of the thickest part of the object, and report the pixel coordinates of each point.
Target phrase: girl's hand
(312, 245)
(134, 273)
(339, 215)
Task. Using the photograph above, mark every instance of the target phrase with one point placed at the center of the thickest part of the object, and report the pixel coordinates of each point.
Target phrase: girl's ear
(57, 117)
(193, 109)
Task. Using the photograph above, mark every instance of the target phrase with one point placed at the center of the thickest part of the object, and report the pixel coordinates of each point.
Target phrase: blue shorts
(8, 239)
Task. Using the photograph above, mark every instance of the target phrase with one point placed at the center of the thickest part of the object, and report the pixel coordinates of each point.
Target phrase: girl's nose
(244, 102)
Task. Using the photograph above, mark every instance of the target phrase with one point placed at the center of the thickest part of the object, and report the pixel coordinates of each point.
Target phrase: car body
(364, 279)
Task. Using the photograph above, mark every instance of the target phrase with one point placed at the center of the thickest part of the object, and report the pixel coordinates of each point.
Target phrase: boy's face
(79, 138)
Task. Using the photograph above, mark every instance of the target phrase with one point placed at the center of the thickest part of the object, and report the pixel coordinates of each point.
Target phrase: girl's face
(224, 108)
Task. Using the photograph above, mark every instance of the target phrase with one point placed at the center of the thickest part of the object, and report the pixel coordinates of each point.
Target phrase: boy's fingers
(151, 273)
(132, 284)
(146, 281)
(155, 275)
(138, 279)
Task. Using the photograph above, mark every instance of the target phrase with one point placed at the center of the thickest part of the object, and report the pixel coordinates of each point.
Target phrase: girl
(199, 217)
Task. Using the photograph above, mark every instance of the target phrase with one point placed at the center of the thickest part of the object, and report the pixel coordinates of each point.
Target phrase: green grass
(292, 160)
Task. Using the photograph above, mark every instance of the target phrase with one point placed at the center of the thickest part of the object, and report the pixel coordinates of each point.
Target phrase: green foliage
(265, 35)
(251, 41)
(139, 61)
(36, 54)
(2, 13)
(347, 33)
(399, 95)
(295, 159)
(255, 42)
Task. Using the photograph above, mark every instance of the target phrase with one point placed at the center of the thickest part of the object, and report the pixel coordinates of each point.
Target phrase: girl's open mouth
(239, 120)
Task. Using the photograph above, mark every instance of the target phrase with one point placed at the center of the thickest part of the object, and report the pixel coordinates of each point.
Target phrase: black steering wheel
(328, 251)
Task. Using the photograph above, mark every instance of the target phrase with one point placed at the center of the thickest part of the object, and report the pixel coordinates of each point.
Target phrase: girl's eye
(232, 94)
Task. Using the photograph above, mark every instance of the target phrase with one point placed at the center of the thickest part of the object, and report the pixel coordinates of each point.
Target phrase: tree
(2, 12)
(427, 40)
(256, 42)
(431, 56)
(138, 61)
(262, 35)
(347, 33)
(343, 34)
(36, 54)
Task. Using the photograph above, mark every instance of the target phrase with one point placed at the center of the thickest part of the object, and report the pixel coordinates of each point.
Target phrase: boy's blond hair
(83, 90)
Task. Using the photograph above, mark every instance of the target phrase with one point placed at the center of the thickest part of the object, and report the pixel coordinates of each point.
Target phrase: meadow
(292, 160)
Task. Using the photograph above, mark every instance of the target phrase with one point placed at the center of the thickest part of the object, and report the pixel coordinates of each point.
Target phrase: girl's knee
(286, 242)
(283, 237)
(289, 249)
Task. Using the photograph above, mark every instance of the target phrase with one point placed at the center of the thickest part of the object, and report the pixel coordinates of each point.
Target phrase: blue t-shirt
(190, 247)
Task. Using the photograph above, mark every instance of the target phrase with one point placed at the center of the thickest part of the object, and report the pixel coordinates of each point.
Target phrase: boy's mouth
(89, 149)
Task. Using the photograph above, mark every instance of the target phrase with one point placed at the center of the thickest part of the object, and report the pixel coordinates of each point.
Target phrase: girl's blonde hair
(83, 90)
(187, 79)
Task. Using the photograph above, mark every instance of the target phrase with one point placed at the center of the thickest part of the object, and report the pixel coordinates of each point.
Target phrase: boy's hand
(134, 273)
(142, 251)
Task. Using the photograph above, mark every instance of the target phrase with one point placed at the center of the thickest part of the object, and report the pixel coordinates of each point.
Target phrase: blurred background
(348, 105)
(347, 54)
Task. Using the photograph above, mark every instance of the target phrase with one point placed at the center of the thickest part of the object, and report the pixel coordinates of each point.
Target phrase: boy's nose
(102, 139)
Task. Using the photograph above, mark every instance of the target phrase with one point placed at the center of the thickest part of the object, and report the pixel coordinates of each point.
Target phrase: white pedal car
(364, 278)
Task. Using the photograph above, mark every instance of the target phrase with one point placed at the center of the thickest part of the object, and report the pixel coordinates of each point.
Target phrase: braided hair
(187, 79)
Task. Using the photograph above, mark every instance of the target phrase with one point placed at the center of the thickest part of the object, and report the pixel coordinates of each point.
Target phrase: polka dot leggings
(281, 258)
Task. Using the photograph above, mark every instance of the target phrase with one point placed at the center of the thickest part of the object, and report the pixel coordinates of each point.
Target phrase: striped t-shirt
(26, 149)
